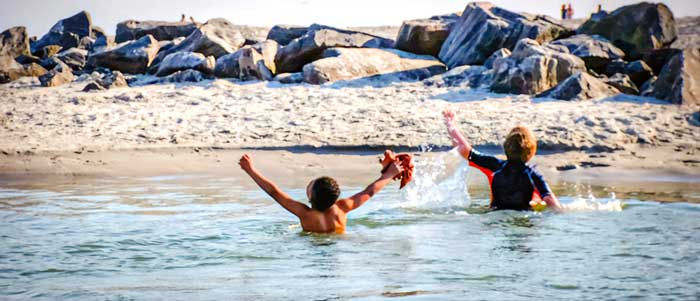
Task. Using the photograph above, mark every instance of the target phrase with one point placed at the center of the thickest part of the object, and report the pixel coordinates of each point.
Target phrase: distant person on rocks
(563, 12)
(327, 214)
(514, 184)
(570, 12)
(182, 19)
(599, 8)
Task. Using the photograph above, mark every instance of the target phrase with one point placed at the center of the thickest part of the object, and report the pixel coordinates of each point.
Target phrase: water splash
(433, 185)
(591, 203)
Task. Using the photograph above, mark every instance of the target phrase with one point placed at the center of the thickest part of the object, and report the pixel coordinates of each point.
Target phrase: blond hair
(520, 144)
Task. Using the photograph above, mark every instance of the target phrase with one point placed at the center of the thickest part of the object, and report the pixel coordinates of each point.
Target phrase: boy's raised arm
(271, 189)
(361, 197)
(456, 136)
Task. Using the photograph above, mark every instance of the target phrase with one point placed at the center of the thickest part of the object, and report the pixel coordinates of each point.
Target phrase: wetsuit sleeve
(539, 184)
(481, 161)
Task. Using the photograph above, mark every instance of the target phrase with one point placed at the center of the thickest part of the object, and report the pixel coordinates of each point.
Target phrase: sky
(39, 15)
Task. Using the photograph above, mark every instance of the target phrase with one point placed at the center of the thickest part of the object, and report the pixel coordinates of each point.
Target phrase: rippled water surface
(207, 238)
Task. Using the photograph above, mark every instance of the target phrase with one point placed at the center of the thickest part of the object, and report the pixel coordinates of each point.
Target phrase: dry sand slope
(346, 115)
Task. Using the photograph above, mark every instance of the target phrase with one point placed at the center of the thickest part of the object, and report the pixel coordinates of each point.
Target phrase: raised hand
(246, 162)
(393, 170)
(449, 117)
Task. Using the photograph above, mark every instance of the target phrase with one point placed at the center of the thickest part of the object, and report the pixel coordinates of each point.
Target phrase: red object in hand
(406, 161)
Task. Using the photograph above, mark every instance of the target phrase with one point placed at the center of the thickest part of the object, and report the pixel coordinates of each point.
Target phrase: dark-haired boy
(327, 214)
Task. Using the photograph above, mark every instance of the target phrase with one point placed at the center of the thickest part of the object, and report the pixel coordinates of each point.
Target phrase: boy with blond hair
(514, 184)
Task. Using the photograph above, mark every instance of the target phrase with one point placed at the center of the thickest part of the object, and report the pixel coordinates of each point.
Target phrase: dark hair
(324, 193)
(520, 144)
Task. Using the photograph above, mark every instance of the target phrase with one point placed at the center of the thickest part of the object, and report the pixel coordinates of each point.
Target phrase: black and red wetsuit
(513, 183)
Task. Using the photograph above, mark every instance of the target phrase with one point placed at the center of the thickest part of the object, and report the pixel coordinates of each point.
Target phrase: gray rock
(101, 43)
(86, 43)
(425, 36)
(185, 76)
(66, 33)
(284, 34)
(483, 28)
(462, 76)
(635, 28)
(160, 30)
(96, 32)
(639, 72)
(581, 86)
(678, 82)
(308, 48)
(533, 68)
(499, 54)
(252, 65)
(623, 83)
(290, 78)
(75, 58)
(594, 50)
(59, 75)
(217, 37)
(353, 63)
(179, 61)
(647, 89)
(165, 45)
(14, 42)
(228, 66)
(107, 81)
(132, 57)
(658, 58)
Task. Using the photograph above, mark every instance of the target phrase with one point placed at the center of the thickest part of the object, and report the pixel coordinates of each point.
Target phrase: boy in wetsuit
(513, 183)
(327, 214)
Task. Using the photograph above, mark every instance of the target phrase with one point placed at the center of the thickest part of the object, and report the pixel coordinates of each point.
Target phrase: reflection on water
(201, 237)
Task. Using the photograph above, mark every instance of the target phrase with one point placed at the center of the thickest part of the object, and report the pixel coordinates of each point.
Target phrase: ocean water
(199, 237)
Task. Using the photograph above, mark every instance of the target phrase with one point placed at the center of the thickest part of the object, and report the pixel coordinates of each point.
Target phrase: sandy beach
(205, 127)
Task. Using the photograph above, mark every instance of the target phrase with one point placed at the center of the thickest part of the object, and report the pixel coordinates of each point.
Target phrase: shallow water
(206, 238)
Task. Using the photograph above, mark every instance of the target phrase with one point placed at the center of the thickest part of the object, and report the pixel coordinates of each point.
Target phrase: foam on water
(432, 186)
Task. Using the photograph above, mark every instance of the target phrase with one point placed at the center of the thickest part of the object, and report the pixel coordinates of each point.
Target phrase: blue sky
(39, 15)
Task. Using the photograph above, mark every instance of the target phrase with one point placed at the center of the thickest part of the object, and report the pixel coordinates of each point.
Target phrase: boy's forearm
(377, 185)
(259, 179)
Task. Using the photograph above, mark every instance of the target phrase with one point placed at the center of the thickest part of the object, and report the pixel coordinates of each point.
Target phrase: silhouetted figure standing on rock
(182, 19)
(563, 11)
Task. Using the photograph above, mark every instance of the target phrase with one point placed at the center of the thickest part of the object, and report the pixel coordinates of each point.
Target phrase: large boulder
(66, 33)
(594, 50)
(308, 48)
(10, 70)
(533, 68)
(284, 34)
(425, 36)
(217, 37)
(581, 86)
(14, 42)
(252, 65)
(75, 58)
(352, 63)
(186, 60)
(229, 65)
(635, 28)
(160, 30)
(679, 81)
(59, 75)
(130, 57)
(483, 28)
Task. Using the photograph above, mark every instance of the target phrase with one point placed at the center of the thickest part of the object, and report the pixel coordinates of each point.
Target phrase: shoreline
(596, 168)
